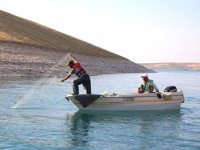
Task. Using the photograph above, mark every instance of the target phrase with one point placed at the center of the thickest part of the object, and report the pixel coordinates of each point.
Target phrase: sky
(144, 31)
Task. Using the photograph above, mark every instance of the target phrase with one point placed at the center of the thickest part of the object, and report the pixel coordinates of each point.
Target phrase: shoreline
(173, 66)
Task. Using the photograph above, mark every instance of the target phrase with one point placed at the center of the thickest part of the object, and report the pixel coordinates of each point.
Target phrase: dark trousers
(85, 80)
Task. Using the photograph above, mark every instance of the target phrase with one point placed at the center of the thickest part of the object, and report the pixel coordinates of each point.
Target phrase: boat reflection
(83, 124)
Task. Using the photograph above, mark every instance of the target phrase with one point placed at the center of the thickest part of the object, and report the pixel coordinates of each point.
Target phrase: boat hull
(150, 101)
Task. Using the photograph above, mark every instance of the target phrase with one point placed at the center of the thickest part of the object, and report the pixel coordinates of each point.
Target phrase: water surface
(45, 120)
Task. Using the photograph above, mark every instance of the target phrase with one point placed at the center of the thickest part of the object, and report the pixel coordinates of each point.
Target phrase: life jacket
(79, 70)
(147, 87)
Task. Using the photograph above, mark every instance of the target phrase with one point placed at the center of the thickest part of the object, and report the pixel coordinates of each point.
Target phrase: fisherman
(147, 85)
(83, 77)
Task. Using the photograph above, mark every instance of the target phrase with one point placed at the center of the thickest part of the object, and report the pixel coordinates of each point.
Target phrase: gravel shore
(21, 60)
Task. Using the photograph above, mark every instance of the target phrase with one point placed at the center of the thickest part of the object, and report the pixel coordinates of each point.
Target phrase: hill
(30, 49)
(173, 66)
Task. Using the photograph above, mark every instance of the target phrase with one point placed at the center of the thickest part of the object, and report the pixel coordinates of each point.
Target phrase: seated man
(147, 85)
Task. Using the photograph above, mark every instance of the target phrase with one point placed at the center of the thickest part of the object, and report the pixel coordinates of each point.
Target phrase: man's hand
(73, 58)
(62, 80)
(158, 94)
(67, 77)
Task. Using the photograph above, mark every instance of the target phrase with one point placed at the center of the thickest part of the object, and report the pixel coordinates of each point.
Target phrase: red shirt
(78, 70)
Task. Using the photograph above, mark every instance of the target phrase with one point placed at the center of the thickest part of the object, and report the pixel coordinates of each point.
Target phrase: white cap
(144, 76)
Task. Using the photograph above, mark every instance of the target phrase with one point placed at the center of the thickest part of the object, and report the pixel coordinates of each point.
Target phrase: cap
(144, 76)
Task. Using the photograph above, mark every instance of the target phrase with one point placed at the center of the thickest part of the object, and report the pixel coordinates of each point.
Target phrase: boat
(128, 102)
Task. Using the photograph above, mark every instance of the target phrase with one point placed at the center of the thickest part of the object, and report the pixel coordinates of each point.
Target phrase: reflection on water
(79, 129)
(143, 123)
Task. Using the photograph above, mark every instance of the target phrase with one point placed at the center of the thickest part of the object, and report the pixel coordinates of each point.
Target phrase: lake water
(43, 119)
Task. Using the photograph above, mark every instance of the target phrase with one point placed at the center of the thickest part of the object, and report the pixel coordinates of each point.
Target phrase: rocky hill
(31, 49)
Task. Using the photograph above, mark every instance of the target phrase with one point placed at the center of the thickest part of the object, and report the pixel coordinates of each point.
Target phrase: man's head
(145, 77)
(70, 64)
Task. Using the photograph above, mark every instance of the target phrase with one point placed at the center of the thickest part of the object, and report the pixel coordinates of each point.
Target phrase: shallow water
(45, 120)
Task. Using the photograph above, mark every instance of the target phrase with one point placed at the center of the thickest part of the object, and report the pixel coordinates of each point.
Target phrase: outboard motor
(170, 89)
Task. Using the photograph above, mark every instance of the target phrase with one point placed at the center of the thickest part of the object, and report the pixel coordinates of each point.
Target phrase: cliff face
(30, 49)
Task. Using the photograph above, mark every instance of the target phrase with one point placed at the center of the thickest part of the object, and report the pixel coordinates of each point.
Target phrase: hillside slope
(26, 46)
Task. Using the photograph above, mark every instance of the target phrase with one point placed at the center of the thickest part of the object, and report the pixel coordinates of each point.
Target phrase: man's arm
(73, 58)
(140, 89)
(156, 88)
(68, 76)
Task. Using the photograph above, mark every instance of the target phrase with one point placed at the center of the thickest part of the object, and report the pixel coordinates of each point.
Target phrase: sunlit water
(45, 120)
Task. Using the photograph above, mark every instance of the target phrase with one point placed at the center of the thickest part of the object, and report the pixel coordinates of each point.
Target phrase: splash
(39, 85)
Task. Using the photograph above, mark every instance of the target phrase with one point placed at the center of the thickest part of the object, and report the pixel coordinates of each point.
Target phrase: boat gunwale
(178, 93)
(134, 101)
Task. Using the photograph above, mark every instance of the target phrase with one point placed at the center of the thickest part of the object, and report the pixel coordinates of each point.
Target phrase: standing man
(79, 71)
(147, 85)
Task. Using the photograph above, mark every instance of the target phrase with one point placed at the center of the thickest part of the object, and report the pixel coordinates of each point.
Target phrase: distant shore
(17, 60)
(172, 66)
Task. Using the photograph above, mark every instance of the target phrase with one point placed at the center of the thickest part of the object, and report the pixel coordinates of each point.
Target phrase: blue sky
(141, 30)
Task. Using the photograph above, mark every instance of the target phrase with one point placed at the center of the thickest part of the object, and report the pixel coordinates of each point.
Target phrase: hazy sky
(140, 30)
